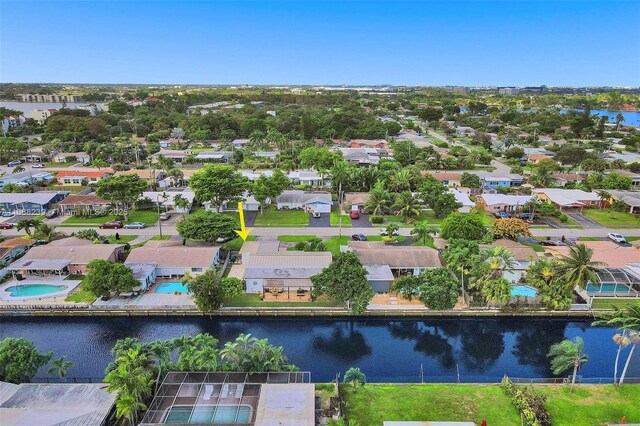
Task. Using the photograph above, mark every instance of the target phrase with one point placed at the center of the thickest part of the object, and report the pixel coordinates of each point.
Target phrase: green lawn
(599, 303)
(124, 239)
(592, 405)
(149, 217)
(277, 218)
(80, 295)
(536, 247)
(333, 244)
(294, 238)
(253, 300)
(236, 243)
(612, 219)
(335, 219)
(372, 404)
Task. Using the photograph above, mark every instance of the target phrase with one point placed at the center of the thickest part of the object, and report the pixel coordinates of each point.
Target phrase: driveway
(250, 218)
(363, 222)
(320, 222)
(584, 221)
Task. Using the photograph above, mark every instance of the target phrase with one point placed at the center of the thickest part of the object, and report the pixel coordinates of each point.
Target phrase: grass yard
(278, 218)
(335, 219)
(612, 219)
(124, 239)
(372, 404)
(81, 295)
(333, 244)
(236, 243)
(149, 217)
(592, 405)
(620, 302)
(538, 248)
(253, 300)
(295, 238)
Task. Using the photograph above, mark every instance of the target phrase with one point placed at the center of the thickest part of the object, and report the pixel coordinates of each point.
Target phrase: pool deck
(55, 297)
(149, 299)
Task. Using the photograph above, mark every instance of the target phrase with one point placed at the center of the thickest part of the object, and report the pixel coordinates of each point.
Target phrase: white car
(618, 238)
(37, 166)
(383, 232)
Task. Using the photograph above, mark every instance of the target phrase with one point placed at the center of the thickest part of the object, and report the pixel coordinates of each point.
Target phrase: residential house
(451, 179)
(495, 181)
(380, 259)
(255, 174)
(562, 179)
(272, 155)
(30, 203)
(630, 198)
(495, 203)
(249, 203)
(25, 178)
(11, 248)
(567, 199)
(239, 143)
(635, 177)
(536, 157)
(258, 247)
(81, 177)
(355, 201)
(177, 155)
(151, 176)
(144, 273)
(608, 253)
(464, 199)
(523, 257)
(172, 259)
(310, 178)
(12, 121)
(172, 143)
(214, 156)
(319, 201)
(167, 199)
(66, 256)
(367, 143)
(363, 156)
(282, 271)
(66, 157)
(465, 131)
(83, 204)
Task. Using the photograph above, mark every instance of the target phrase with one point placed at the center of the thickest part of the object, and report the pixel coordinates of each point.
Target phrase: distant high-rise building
(456, 89)
(509, 90)
(48, 98)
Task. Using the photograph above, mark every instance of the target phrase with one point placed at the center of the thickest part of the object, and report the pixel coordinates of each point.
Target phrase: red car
(5, 225)
(354, 214)
(112, 225)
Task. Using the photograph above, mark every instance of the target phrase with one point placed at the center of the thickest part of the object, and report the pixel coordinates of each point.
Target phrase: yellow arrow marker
(243, 232)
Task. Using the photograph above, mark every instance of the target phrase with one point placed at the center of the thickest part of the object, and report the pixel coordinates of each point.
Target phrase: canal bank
(397, 350)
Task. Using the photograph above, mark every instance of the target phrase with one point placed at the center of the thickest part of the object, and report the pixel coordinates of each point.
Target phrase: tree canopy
(107, 278)
(218, 184)
(207, 226)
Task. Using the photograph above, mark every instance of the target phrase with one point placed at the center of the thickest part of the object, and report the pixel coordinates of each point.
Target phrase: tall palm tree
(498, 259)
(401, 181)
(619, 119)
(256, 138)
(60, 366)
(27, 224)
(46, 232)
(604, 197)
(578, 268)
(422, 232)
(568, 354)
(543, 269)
(128, 407)
(622, 340)
(407, 206)
(379, 200)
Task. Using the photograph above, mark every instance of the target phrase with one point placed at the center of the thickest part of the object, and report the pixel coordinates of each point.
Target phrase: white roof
(511, 200)
(461, 197)
(153, 196)
(565, 197)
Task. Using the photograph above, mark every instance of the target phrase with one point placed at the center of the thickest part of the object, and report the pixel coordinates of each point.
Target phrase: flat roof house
(363, 156)
(385, 263)
(564, 199)
(30, 203)
(355, 201)
(494, 203)
(464, 199)
(172, 259)
(81, 177)
(66, 256)
(278, 271)
(319, 201)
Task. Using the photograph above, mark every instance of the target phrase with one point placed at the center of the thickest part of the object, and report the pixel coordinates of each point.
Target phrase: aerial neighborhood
(403, 202)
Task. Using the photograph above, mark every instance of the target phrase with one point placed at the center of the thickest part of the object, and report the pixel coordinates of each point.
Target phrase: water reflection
(346, 345)
(428, 340)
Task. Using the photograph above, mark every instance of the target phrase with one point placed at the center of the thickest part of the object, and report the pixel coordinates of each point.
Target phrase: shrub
(528, 403)
(376, 219)
(563, 218)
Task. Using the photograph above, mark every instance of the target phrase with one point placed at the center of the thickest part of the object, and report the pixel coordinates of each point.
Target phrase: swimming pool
(26, 290)
(523, 290)
(222, 414)
(171, 287)
(607, 288)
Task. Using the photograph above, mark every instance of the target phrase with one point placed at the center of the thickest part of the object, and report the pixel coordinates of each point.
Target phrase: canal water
(481, 350)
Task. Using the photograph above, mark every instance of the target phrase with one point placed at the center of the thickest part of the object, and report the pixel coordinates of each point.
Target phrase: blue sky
(573, 42)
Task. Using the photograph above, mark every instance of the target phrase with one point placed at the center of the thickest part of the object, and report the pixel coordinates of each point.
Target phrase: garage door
(322, 208)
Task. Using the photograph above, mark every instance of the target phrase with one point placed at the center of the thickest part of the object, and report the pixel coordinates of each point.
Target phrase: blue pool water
(24, 290)
(523, 290)
(209, 415)
(171, 287)
(608, 288)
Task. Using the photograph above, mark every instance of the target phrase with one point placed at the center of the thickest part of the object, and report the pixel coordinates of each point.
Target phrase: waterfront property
(172, 259)
(36, 288)
(202, 398)
(523, 256)
(54, 404)
(63, 257)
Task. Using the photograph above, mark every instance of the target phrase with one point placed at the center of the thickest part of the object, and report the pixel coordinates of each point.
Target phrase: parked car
(359, 237)
(50, 214)
(223, 240)
(37, 166)
(135, 225)
(503, 215)
(165, 216)
(617, 238)
(354, 214)
(14, 163)
(383, 232)
(316, 214)
(8, 214)
(111, 225)
(527, 216)
(5, 225)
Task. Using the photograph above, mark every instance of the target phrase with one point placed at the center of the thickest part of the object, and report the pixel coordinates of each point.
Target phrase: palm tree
(567, 354)
(256, 138)
(127, 407)
(60, 366)
(498, 259)
(181, 203)
(401, 181)
(165, 163)
(422, 232)
(27, 224)
(604, 197)
(46, 232)
(379, 199)
(578, 268)
(355, 377)
(177, 175)
(622, 340)
(619, 119)
(18, 169)
(99, 163)
(407, 206)
(627, 320)
(543, 269)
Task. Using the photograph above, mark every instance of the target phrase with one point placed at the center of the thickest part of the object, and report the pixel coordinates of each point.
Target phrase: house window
(196, 269)
(76, 181)
(67, 181)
